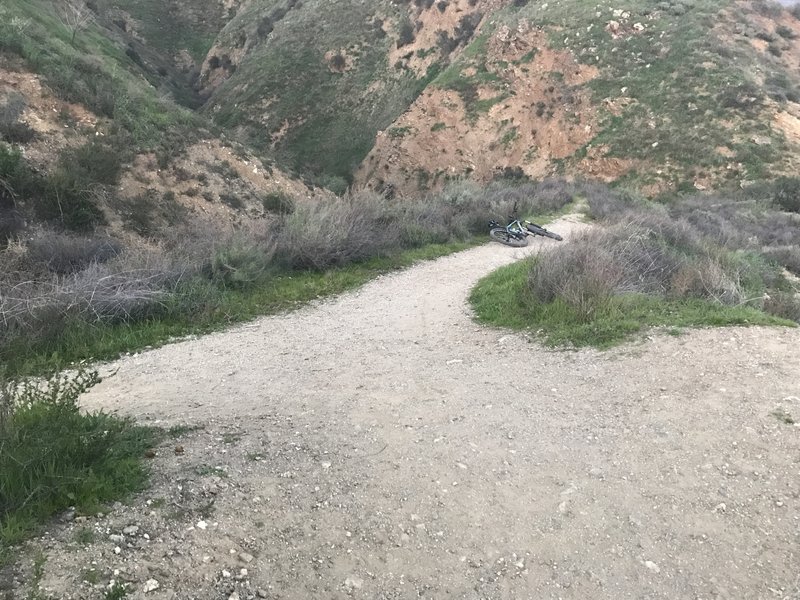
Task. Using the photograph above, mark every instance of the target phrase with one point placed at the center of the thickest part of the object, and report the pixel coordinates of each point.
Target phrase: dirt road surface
(382, 445)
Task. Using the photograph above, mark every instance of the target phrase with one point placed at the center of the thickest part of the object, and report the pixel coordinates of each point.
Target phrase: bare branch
(75, 16)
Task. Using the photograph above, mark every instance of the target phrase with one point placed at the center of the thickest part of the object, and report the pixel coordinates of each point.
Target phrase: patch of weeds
(177, 431)
(783, 416)
(158, 502)
(231, 438)
(509, 136)
(439, 126)
(90, 575)
(231, 200)
(85, 536)
(54, 456)
(224, 169)
(116, 592)
(208, 471)
(398, 132)
(278, 203)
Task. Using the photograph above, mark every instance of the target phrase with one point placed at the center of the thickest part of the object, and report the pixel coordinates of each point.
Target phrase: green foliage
(332, 118)
(278, 203)
(685, 265)
(241, 265)
(503, 300)
(95, 71)
(787, 194)
(53, 456)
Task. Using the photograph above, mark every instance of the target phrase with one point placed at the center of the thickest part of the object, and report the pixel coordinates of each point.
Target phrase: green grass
(54, 456)
(200, 308)
(501, 300)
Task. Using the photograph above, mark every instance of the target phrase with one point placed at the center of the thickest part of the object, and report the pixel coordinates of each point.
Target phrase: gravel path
(383, 445)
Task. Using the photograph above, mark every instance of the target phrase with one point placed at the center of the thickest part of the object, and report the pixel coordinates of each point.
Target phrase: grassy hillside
(674, 95)
(315, 80)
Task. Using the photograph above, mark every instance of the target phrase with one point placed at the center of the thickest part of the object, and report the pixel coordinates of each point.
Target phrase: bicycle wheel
(500, 234)
(535, 229)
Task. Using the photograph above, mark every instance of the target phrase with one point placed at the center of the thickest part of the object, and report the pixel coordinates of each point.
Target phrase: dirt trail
(383, 445)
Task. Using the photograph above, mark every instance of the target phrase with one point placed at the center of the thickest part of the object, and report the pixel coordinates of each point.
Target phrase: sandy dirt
(383, 445)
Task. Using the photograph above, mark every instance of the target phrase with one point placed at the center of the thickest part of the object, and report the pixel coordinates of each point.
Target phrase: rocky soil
(384, 445)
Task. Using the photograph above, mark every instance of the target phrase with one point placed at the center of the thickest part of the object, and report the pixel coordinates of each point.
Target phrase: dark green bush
(278, 203)
(787, 193)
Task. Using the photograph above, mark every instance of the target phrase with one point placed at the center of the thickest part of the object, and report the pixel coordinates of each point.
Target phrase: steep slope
(677, 95)
(315, 81)
(92, 136)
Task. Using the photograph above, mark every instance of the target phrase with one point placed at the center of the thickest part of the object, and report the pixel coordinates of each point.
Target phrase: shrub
(334, 233)
(787, 194)
(655, 256)
(53, 456)
(787, 257)
(94, 162)
(65, 199)
(11, 225)
(406, 34)
(278, 203)
(11, 128)
(745, 97)
(784, 305)
(66, 254)
(241, 263)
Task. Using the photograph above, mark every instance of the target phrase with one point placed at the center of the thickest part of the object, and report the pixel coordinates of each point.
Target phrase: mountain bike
(516, 232)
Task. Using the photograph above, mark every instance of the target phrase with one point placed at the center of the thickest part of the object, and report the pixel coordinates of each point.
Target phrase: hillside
(664, 96)
(682, 95)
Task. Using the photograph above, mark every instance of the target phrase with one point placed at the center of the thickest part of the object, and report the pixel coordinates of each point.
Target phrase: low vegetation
(68, 297)
(54, 457)
(698, 261)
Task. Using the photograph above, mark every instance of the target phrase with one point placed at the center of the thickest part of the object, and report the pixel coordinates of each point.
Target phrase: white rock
(245, 557)
(226, 574)
(117, 549)
(151, 585)
(652, 566)
(354, 582)
(202, 525)
(114, 537)
(234, 596)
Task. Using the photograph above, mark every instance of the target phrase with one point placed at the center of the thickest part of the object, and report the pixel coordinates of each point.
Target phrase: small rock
(354, 582)
(595, 472)
(234, 596)
(261, 593)
(116, 538)
(151, 585)
(131, 530)
(652, 566)
(117, 549)
(226, 574)
(179, 450)
(245, 557)
(721, 507)
(202, 525)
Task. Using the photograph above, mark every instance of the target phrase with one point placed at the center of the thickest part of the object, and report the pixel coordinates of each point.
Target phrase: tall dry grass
(55, 278)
